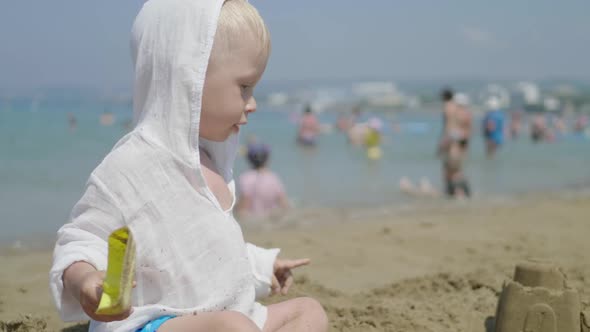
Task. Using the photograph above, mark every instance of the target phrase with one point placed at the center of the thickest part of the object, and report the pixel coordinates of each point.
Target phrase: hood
(171, 43)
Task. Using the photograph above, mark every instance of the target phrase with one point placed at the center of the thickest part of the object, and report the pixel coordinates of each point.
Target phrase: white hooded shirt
(191, 255)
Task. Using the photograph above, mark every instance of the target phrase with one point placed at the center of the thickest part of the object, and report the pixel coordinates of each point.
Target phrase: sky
(68, 43)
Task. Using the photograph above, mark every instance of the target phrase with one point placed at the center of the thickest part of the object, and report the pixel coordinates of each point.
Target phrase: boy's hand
(283, 278)
(90, 293)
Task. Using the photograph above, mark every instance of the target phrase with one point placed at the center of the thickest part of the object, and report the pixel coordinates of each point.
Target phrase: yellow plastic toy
(118, 283)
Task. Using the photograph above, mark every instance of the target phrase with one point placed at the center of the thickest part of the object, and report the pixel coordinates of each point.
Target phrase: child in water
(261, 191)
(373, 138)
(170, 182)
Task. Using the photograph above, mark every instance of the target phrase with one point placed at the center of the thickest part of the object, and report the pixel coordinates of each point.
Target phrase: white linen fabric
(191, 255)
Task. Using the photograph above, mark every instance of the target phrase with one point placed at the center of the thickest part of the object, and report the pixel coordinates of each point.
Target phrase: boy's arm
(84, 239)
(73, 277)
(262, 262)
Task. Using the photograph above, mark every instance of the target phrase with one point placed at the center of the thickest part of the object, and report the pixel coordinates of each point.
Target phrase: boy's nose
(251, 105)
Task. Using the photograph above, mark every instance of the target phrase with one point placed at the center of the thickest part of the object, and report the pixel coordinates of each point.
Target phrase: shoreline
(297, 217)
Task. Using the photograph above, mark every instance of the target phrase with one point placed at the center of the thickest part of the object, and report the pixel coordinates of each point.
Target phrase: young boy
(170, 181)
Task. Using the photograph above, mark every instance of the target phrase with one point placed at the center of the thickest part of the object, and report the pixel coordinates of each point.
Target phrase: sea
(44, 163)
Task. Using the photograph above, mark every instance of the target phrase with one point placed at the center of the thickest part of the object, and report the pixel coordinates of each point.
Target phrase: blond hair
(238, 20)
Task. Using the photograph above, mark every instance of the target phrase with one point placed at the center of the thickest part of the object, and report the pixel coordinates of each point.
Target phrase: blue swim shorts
(154, 325)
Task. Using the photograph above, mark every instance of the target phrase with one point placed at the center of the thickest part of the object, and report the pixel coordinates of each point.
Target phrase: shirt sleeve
(84, 238)
(262, 262)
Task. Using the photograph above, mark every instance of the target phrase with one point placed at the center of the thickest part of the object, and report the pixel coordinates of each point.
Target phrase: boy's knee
(232, 321)
(313, 310)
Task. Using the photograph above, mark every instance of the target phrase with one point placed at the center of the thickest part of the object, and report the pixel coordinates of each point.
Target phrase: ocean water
(44, 165)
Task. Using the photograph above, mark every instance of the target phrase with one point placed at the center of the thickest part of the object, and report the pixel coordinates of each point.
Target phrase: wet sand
(439, 268)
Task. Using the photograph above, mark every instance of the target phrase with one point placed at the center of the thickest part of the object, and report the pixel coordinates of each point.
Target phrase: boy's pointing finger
(293, 263)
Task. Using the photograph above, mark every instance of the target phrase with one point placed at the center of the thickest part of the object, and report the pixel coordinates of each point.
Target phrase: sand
(437, 268)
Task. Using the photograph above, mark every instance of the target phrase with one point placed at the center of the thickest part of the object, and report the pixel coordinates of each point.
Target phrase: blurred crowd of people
(262, 193)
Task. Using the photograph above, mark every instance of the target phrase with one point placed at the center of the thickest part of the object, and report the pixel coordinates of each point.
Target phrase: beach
(381, 260)
(428, 171)
(437, 268)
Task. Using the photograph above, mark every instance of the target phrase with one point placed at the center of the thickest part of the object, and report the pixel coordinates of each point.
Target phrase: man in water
(454, 142)
(493, 127)
(309, 128)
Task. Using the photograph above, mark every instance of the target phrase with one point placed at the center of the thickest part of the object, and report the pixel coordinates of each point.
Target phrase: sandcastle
(539, 300)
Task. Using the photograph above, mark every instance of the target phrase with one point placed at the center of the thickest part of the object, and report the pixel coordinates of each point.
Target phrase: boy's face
(228, 91)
